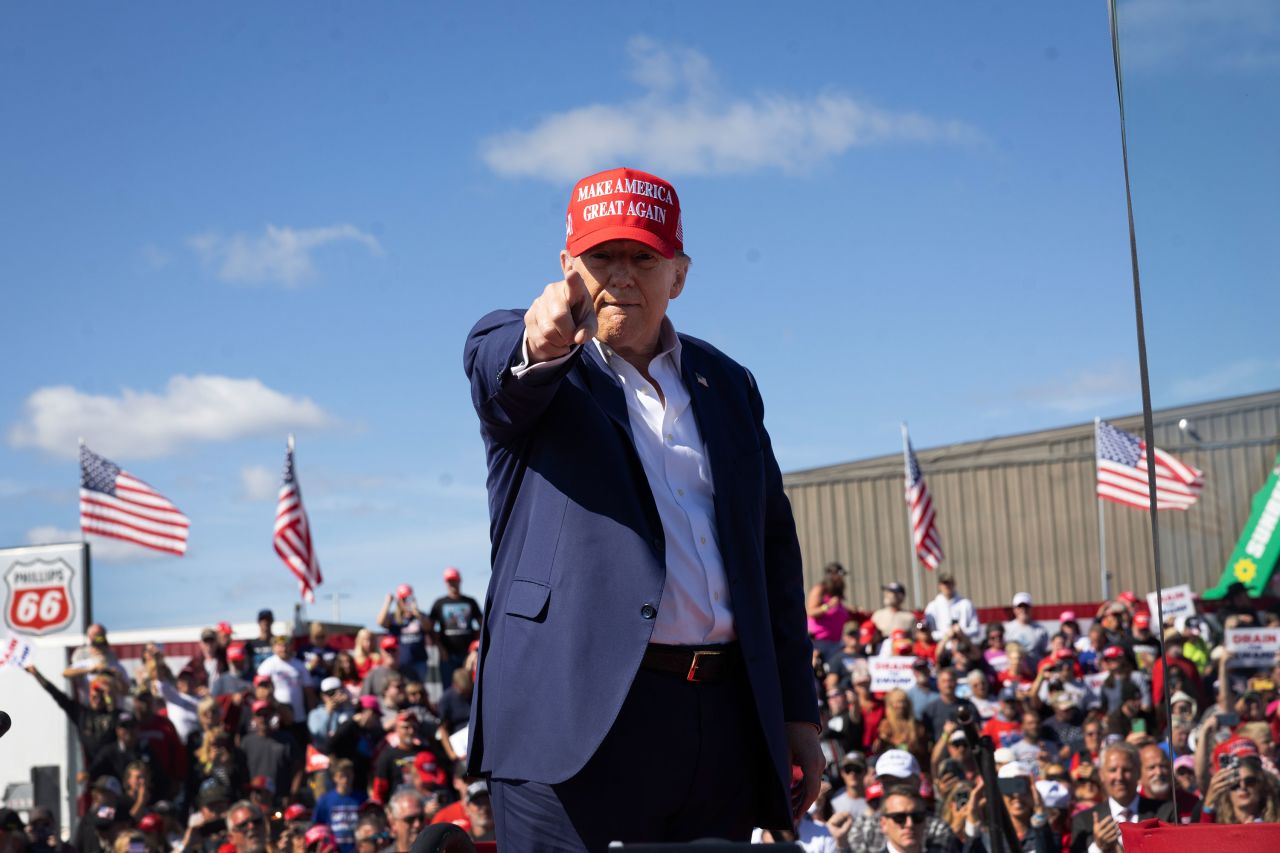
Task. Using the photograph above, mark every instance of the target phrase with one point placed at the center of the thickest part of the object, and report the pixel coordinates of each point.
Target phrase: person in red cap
(646, 570)
(403, 620)
(455, 623)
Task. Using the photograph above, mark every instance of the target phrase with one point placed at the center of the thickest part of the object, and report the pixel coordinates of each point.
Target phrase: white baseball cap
(1003, 755)
(898, 763)
(330, 683)
(1054, 795)
(1014, 769)
(1022, 598)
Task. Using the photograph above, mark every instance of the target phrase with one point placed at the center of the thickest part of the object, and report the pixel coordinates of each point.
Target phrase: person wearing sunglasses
(1026, 814)
(902, 819)
(1242, 792)
(247, 828)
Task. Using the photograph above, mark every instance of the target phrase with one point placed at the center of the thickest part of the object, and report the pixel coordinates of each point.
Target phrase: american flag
(293, 532)
(1122, 473)
(115, 503)
(924, 526)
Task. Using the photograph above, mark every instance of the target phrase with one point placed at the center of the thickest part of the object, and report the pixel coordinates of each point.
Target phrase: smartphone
(214, 826)
(1015, 785)
(1230, 718)
(1139, 725)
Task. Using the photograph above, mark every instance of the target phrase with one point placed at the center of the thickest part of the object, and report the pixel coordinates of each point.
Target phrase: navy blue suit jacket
(578, 556)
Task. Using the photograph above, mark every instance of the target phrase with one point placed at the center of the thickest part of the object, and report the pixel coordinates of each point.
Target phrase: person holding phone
(1026, 813)
(1242, 792)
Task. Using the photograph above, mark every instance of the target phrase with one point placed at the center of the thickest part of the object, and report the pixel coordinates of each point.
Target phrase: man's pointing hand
(562, 317)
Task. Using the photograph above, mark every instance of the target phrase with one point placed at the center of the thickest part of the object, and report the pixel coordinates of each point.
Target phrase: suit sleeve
(784, 578)
(507, 405)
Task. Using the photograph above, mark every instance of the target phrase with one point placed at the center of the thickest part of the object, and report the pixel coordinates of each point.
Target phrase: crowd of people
(1080, 733)
(311, 744)
(307, 745)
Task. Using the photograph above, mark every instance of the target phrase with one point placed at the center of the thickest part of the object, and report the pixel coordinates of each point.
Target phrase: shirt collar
(1117, 806)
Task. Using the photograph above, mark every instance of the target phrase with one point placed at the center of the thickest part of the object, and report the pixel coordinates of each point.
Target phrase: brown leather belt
(695, 663)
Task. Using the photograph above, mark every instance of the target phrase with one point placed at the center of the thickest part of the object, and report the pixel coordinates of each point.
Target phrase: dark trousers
(683, 761)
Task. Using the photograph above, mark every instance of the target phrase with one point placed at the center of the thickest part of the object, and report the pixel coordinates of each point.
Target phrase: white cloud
(1239, 377)
(281, 255)
(143, 424)
(682, 123)
(260, 482)
(1086, 390)
(1223, 35)
(101, 549)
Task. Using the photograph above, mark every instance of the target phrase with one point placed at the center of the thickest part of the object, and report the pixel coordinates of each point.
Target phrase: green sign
(1254, 557)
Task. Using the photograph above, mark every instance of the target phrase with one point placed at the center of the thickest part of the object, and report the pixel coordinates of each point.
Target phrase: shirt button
(648, 611)
(702, 540)
(680, 492)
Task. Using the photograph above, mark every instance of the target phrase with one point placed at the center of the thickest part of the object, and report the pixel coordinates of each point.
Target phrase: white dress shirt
(695, 608)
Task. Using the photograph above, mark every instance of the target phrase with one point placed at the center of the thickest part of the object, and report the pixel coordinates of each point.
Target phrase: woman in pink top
(827, 611)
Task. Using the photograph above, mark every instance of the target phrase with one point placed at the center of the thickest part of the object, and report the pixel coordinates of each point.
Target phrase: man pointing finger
(644, 665)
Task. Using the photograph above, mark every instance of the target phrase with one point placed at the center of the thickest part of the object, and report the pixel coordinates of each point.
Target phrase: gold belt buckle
(697, 658)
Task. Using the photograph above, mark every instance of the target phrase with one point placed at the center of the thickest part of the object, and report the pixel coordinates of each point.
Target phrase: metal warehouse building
(1019, 513)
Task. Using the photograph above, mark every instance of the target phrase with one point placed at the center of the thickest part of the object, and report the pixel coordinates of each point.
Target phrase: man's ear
(682, 272)
(566, 261)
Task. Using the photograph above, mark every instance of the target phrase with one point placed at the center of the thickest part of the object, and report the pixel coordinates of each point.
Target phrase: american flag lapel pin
(702, 380)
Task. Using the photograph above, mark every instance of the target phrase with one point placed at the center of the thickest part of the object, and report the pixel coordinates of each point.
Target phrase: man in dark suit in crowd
(644, 665)
(1098, 829)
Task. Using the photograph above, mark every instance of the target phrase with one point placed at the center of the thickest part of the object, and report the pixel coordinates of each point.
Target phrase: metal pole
(917, 592)
(1102, 521)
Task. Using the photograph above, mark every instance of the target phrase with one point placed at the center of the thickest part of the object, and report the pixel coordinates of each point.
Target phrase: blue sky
(225, 222)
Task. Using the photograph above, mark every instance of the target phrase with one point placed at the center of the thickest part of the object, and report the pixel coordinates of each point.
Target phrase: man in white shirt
(950, 610)
(1097, 830)
(291, 683)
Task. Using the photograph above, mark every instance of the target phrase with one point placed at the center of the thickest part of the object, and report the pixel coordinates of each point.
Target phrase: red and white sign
(1252, 647)
(39, 596)
(14, 652)
(1177, 601)
(889, 673)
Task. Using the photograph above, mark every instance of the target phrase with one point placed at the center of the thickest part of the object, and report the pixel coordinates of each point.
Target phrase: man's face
(318, 635)
(947, 684)
(1156, 772)
(264, 626)
(630, 285)
(404, 730)
(281, 648)
(453, 587)
(1030, 725)
(406, 822)
(902, 823)
(415, 695)
(479, 812)
(946, 589)
(1119, 776)
(891, 598)
(1022, 613)
(393, 695)
(247, 830)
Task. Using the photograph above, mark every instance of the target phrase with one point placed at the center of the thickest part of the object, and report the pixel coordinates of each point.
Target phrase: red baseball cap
(259, 680)
(259, 706)
(1128, 596)
(898, 634)
(262, 783)
(1142, 619)
(150, 822)
(320, 834)
(297, 811)
(452, 574)
(316, 760)
(235, 651)
(624, 204)
(225, 628)
(404, 591)
(428, 772)
(388, 642)
(1112, 652)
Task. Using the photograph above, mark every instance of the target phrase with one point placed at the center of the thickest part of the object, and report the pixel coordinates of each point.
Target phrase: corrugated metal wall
(1019, 513)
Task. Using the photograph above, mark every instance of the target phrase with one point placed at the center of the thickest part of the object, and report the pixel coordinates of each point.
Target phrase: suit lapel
(604, 387)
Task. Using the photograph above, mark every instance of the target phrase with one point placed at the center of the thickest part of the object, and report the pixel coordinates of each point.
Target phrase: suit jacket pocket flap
(527, 598)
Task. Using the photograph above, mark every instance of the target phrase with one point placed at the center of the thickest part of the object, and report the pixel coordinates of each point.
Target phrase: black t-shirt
(455, 710)
(271, 756)
(457, 623)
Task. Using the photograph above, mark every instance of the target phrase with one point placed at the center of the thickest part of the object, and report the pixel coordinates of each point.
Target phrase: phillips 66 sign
(44, 589)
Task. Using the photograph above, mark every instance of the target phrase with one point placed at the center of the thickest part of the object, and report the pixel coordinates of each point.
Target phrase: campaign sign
(1177, 601)
(1252, 647)
(891, 673)
(39, 596)
(14, 652)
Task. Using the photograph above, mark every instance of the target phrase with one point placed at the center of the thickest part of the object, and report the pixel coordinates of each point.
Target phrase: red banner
(1152, 836)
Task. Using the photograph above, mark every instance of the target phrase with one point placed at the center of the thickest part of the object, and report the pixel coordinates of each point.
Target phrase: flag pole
(1105, 586)
(917, 592)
